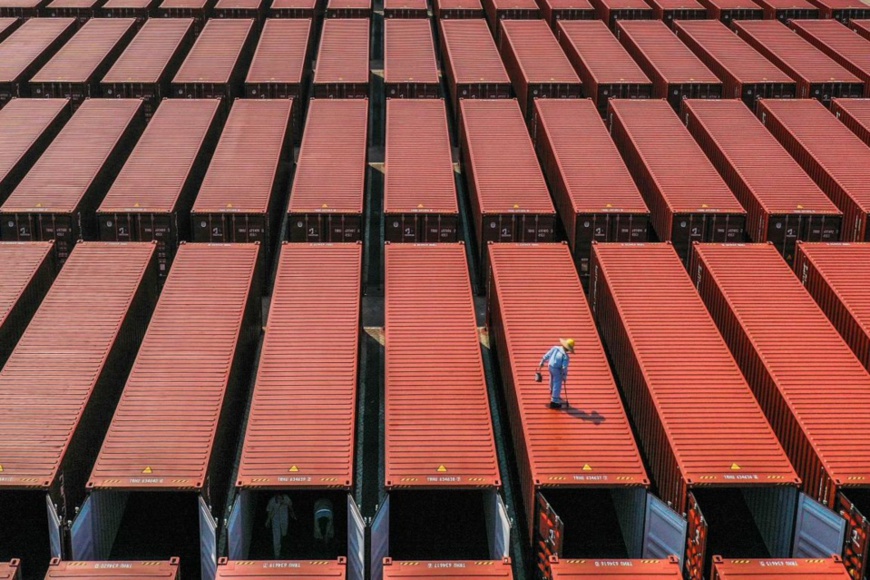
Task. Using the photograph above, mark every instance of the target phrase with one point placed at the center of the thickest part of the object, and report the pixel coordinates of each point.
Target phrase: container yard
(290, 289)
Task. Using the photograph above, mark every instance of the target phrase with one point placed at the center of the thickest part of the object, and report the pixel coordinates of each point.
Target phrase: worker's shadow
(594, 417)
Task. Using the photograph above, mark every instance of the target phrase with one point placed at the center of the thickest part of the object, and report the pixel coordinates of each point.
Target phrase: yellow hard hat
(568, 343)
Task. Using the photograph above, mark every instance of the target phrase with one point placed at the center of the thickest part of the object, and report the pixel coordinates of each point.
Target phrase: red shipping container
(259, 569)
(862, 27)
(630, 569)
(593, 190)
(279, 69)
(688, 200)
(855, 114)
(253, 9)
(60, 387)
(349, 9)
(839, 43)
(28, 271)
(817, 75)
(81, 10)
(328, 195)
(536, 64)
(75, 71)
(607, 70)
(472, 65)
(27, 50)
(153, 193)
(406, 9)
(835, 274)
(669, 11)
(728, 10)
(165, 570)
(141, 10)
(9, 570)
(498, 10)
(816, 569)
(410, 66)
(457, 9)
(712, 453)
(244, 189)
(842, 10)
(783, 204)
(215, 67)
(293, 9)
(420, 202)
(21, 8)
(832, 155)
(179, 415)
(146, 67)
(675, 71)
(785, 10)
(801, 371)
(611, 11)
(199, 10)
(342, 69)
(9, 25)
(745, 74)
(485, 570)
(509, 197)
(57, 199)
(554, 11)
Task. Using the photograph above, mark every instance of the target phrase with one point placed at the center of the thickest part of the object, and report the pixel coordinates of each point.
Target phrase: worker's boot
(557, 404)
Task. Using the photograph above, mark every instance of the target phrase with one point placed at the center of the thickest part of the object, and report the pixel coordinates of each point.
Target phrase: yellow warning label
(516, 206)
(229, 205)
(608, 205)
(136, 204)
(147, 470)
(324, 206)
(441, 469)
(799, 206)
(419, 206)
(1, 469)
(293, 469)
(735, 467)
(704, 205)
(38, 205)
(587, 467)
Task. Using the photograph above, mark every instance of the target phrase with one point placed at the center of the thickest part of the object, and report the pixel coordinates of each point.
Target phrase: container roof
(344, 51)
(282, 51)
(19, 262)
(22, 123)
(80, 57)
(409, 52)
(473, 57)
(217, 52)
(27, 43)
(146, 58)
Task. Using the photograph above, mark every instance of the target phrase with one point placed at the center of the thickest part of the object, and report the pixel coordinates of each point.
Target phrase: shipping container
(509, 197)
(75, 71)
(783, 205)
(58, 197)
(253, 9)
(630, 569)
(457, 9)
(842, 10)
(832, 155)
(342, 68)
(675, 71)
(406, 9)
(841, 44)
(484, 570)
(81, 10)
(815, 569)
(60, 387)
(27, 50)
(293, 9)
(441, 499)
(164, 467)
(146, 67)
(611, 11)
(536, 64)
(9, 570)
(216, 66)
(27, 127)
(688, 200)
(607, 70)
(28, 271)
(588, 496)
(712, 454)
(594, 193)
(139, 570)
(280, 65)
(471, 62)
(862, 27)
(669, 11)
(728, 10)
(328, 194)
(21, 8)
(410, 65)
(300, 437)
(801, 371)
(817, 75)
(153, 193)
(199, 10)
(855, 114)
(244, 189)
(835, 275)
(9, 25)
(554, 11)
(141, 10)
(745, 74)
(785, 10)
(420, 202)
(259, 570)
(349, 9)
(498, 10)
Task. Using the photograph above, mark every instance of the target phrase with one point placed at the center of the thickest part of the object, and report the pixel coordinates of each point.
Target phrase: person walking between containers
(280, 510)
(323, 527)
(557, 361)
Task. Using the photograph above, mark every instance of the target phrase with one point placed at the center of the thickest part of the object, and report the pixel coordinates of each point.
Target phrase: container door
(207, 542)
(696, 543)
(54, 537)
(240, 526)
(819, 532)
(549, 533)
(96, 525)
(380, 548)
(664, 531)
(858, 532)
(356, 541)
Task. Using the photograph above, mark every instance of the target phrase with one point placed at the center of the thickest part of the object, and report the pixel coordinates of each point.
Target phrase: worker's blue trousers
(555, 384)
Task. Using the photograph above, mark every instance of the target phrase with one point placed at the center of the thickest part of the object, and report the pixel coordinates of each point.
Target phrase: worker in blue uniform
(324, 530)
(557, 360)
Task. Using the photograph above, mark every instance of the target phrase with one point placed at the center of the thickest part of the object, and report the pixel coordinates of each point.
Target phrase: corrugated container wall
(688, 200)
(293, 9)
(567, 569)
(327, 199)
(279, 68)
(141, 10)
(783, 204)
(406, 9)
(410, 64)
(816, 569)
(785, 10)
(841, 44)
(27, 50)
(199, 10)
(9, 570)
(253, 9)
(843, 10)
(671, 11)
(342, 70)
(457, 9)
(728, 10)
(497, 11)
(349, 9)
(594, 193)
(150, 570)
(420, 202)
(493, 569)
(9, 25)
(807, 131)
(21, 8)
(81, 10)
(862, 27)
(612, 11)
(28, 271)
(555, 11)
(261, 569)
(855, 114)
(57, 199)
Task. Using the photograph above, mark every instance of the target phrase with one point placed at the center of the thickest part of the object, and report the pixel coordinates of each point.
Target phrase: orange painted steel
(437, 415)
(627, 569)
(839, 43)
(152, 570)
(342, 70)
(280, 64)
(410, 64)
(464, 570)
(855, 114)
(296, 569)
(820, 569)
(27, 50)
(28, 271)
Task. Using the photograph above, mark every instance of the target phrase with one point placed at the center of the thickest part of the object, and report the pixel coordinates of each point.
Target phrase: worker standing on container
(280, 510)
(324, 530)
(557, 360)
